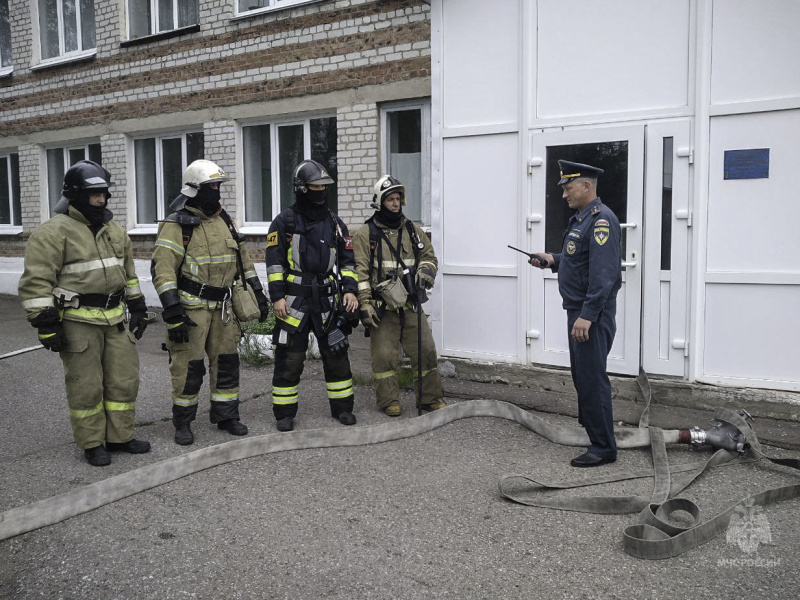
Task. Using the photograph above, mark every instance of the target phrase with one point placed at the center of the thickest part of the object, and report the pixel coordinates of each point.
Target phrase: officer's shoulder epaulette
(595, 210)
(183, 218)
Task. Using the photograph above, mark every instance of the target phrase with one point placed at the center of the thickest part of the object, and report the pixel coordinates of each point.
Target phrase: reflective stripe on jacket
(210, 258)
(294, 257)
(63, 254)
(368, 277)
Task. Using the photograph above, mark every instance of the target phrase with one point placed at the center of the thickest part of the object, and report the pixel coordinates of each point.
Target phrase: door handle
(628, 225)
(631, 263)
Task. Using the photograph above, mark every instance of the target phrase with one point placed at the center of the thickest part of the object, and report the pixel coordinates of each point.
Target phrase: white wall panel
(466, 325)
(480, 200)
(752, 331)
(614, 56)
(750, 220)
(755, 50)
(481, 62)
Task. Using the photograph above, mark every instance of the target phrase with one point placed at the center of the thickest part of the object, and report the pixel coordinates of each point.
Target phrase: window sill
(10, 229)
(6, 72)
(65, 59)
(143, 230)
(257, 12)
(254, 229)
(157, 37)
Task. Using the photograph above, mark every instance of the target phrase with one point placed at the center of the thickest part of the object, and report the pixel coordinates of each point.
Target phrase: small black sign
(747, 164)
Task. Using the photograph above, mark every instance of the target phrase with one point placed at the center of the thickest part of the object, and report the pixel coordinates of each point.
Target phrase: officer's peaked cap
(571, 170)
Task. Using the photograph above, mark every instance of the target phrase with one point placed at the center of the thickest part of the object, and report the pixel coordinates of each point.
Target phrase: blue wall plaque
(747, 164)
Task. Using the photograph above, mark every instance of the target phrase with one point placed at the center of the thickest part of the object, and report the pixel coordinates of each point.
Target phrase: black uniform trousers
(289, 363)
(587, 361)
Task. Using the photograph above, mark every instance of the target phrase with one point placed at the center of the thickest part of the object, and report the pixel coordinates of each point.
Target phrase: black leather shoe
(184, 435)
(285, 424)
(131, 446)
(587, 459)
(233, 426)
(97, 456)
(347, 418)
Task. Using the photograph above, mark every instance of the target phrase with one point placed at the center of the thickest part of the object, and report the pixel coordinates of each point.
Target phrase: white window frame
(154, 24)
(9, 68)
(256, 227)
(147, 228)
(62, 56)
(65, 150)
(10, 228)
(271, 6)
(424, 104)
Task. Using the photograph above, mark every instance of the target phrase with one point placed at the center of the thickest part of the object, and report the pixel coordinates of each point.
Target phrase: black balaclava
(96, 215)
(207, 200)
(389, 218)
(312, 204)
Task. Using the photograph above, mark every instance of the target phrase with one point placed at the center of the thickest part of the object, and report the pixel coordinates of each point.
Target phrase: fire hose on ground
(653, 538)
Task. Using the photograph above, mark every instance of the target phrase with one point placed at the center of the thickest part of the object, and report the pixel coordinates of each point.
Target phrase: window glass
(146, 184)
(139, 17)
(95, 154)
(188, 13)
(257, 173)
(159, 163)
(48, 27)
(165, 21)
(87, 24)
(10, 209)
(5, 35)
(70, 17)
(323, 150)
(612, 186)
(5, 191)
(666, 206)
(74, 155)
(55, 175)
(290, 154)
(405, 156)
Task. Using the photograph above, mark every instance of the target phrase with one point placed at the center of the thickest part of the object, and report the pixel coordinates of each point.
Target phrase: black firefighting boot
(284, 416)
(182, 416)
(342, 410)
(233, 426)
(97, 456)
(226, 416)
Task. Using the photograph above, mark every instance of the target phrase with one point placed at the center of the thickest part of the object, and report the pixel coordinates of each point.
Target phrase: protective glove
(138, 322)
(51, 331)
(263, 305)
(337, 341)
(369, 317)
(178, 323)
(425, 278)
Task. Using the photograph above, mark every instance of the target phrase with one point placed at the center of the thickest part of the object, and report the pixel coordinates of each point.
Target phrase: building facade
(147, 86)
(692, 107)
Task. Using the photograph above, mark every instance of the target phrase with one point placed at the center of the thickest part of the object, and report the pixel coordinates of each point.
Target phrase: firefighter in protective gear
(312, 285)
(78, 279)
(195, 262)
(385, 247)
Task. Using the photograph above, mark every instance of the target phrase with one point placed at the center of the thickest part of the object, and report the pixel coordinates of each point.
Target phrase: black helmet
(310, 172)
(83, 175)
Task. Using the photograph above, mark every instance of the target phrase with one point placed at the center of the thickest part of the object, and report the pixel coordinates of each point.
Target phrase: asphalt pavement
(415, 518)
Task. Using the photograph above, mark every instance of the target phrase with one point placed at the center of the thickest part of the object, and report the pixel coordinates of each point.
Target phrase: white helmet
(387, 185)
(200, 172)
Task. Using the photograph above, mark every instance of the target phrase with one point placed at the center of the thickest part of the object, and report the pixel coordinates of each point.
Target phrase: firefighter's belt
(102, 300)
(646, 540)
(306, 291)
(203, 290)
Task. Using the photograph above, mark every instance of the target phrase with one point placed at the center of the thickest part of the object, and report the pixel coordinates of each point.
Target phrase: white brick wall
(358, 161)
(29, 189)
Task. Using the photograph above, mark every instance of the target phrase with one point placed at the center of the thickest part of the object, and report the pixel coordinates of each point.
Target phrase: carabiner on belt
(226, 307)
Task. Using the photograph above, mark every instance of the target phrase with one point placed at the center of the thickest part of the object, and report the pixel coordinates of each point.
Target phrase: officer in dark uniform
(589, 277)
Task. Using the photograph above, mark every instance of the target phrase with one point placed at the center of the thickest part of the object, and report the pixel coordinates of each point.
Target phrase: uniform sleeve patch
(348, 242)
(272, 239)
(601, 223)
(601, 235)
